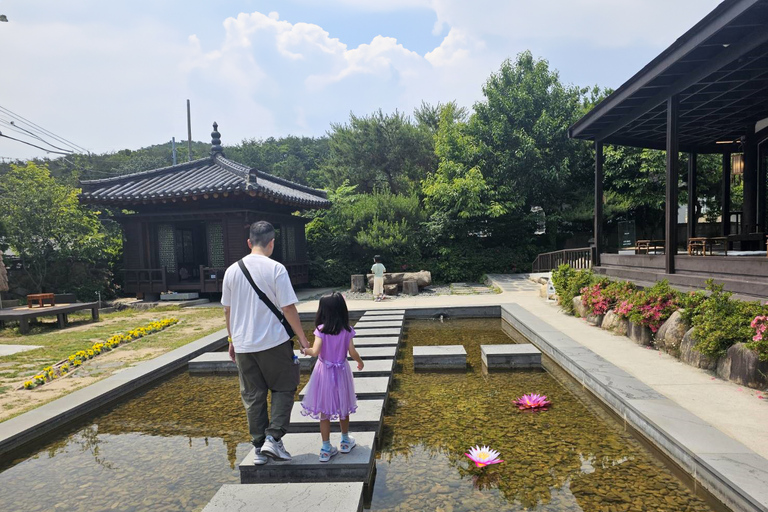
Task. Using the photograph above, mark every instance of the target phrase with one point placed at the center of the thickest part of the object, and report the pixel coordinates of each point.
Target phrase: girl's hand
(360, 365)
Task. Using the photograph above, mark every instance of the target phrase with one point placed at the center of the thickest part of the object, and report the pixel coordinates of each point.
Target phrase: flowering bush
(652, 307)
(78, 358)
(568, 282)
(594, 299)
(760, 340)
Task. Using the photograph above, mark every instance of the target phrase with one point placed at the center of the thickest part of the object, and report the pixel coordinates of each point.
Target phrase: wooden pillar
(761, 186)
(749, 221)
(725, 200)
(670, 238)
(598, 226)
(693, 198)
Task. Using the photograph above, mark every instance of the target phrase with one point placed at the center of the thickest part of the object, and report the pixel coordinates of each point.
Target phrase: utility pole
(189, 135)
(173, 149)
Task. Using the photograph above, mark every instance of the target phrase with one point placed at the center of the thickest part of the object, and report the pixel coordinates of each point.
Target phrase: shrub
(691, 303)
(569, 283)
(653, 306)
(759, 341)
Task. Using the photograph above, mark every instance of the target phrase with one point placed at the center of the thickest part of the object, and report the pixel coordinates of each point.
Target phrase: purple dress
(331, 390)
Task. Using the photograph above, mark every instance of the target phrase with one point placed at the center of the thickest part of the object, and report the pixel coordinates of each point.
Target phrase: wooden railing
(211, 279)
(146, 280)
(576, 258)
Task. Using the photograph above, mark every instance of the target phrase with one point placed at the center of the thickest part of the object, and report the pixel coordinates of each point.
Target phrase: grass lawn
(57, 344)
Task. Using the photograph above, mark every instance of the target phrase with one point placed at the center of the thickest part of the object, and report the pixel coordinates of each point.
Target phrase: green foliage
(691, 304)
(298, 159)
(569, 283)
(59, 241)
(653, 306)
(720, 322)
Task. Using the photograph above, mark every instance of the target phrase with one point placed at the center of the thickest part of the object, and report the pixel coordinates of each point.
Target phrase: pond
(171, 447)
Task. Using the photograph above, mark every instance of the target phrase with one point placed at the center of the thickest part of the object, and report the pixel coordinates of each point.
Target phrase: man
(259, 343)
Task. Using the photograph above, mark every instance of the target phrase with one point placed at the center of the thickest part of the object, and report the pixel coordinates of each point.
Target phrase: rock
(693, 357)
(596, 320)
(613, 322)
(422, 277)
(742, 366)
(390, 289)
(670, 334)
(543, 291)
(640, 334)
(358, 283)
(579, 308)
(410, 287)
(543, 280)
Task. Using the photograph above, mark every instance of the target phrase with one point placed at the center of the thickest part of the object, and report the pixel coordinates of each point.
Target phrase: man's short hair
(262, 233)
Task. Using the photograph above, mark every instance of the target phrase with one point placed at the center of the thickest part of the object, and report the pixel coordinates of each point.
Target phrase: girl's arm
(354, 355)
(315, 350)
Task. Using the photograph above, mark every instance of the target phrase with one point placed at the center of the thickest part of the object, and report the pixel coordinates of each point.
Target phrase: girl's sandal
(346, 446)
(325, 455)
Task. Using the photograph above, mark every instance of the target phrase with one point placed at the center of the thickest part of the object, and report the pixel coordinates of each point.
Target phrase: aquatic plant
(484, 456)
(532, 401)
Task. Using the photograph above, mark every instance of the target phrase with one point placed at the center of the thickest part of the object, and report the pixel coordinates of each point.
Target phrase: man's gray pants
(269, 370)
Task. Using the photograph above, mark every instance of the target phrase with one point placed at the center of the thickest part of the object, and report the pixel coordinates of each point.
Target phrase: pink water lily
(532, 401)
(484, 456)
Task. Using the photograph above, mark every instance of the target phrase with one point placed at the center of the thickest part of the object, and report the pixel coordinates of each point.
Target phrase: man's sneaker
(346, 446)
(275, 449)
(259, 458)
(326, 455)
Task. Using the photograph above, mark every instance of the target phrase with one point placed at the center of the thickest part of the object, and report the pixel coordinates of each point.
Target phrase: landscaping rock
(390, 289)
(693, 357)
(613, 322)
(358, 283)
(422, 277)
(640, 334)
(596, 320)
(579, 308)
(671, 333)
(543, 291)
(742, 366)
(410, 287)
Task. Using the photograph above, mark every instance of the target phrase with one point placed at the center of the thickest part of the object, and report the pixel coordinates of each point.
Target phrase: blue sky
(115, 75)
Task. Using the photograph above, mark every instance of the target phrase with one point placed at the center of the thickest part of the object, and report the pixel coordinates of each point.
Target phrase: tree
(293, 158)
(48, 228)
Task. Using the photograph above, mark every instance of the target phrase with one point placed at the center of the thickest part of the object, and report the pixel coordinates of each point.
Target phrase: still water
(172, 446)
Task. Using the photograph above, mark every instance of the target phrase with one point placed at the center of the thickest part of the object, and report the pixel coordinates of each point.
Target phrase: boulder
(742, 366)
(579, 308)
(689, 355)
(640, 334)
(613, 322)
(422, 277)
(670, 334)
(596, 320)
(358, 283)
(543, 291)
(410, 287)
(390, 289)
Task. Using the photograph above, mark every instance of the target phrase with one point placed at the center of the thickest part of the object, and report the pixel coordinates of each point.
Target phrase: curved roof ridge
(232, 166)
(144, 174)
(293, 184)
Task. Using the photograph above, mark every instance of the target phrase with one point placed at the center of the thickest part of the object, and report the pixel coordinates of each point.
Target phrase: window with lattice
(215, 234)
(290, 243)
(166, 247)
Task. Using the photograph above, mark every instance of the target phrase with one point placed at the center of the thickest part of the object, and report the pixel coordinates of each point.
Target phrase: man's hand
(303, 345)
(232, 352)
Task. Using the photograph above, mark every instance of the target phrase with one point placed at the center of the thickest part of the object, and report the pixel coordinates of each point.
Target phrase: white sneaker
(346, 446)
(259, 458)
(275, 449)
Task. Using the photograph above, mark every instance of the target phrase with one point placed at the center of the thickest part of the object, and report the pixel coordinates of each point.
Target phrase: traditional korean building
(190, 221)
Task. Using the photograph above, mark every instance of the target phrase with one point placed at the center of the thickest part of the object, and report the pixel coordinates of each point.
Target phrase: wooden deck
(23, 314)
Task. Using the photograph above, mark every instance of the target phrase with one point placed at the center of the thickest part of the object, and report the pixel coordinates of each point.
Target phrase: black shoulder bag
(280, 316)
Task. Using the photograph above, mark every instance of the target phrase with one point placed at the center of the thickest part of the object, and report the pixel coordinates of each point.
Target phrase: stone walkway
(700, 392)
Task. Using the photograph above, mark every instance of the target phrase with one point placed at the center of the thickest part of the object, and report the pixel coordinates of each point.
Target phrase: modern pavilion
(190, 221)
(707, 93)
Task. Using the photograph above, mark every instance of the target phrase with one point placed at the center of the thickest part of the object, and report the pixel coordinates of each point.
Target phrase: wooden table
(646, 246)
(699, 245)
(40, 298)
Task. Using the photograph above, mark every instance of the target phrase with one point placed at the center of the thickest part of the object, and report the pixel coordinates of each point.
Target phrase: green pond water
(172, 446)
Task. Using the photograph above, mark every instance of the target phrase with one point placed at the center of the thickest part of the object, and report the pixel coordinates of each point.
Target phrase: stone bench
(368, 418)
(219, 363)
(355, 466)
(438, 357)
(288, 497)
(523, 355)
(366, 388)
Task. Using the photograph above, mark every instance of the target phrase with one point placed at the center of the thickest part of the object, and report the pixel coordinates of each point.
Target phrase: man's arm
(229, 333)
(292, 315)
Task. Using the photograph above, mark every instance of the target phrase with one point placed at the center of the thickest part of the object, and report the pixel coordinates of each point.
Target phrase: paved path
(735, 410)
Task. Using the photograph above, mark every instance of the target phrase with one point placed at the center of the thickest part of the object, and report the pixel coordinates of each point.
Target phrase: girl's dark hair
(377, 259)
(332, 314)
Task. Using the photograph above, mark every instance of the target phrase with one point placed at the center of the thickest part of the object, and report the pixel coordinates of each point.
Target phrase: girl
(331, 390)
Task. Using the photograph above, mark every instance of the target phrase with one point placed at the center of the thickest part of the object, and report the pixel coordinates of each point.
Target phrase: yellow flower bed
(50, 373)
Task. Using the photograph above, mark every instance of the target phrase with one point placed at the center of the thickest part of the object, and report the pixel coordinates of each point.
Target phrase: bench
(699, 245)
(40, 298)
(646, 246)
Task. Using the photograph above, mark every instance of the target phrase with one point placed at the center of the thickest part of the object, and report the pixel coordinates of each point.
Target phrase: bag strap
(261, 295)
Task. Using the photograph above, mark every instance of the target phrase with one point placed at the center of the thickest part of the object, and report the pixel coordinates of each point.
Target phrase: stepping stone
(7, 350)
(378, 341)
(381, 318)
(368, 418)
(523, 355)
(452, 357)
(219, 363)
(365, 332)
(373, 353)
(355, 466)
(374, 368)
(378, 312)
(372, 325)
(366, 388)
(294, 497)
(212, 362)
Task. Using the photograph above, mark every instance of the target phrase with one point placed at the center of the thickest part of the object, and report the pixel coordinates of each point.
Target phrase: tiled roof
(211, 175)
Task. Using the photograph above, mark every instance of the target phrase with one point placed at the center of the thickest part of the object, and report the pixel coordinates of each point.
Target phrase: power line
(39, 138)
(33, 145)
(43, 130)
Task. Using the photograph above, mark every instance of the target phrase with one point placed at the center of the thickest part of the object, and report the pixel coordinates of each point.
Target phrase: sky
(113, 75)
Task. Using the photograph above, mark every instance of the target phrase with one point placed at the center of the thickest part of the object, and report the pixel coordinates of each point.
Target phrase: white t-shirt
(254, 327)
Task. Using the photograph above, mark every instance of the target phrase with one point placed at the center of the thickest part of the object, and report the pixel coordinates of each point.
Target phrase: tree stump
(390, 289)
(410, 287)
(358, 283)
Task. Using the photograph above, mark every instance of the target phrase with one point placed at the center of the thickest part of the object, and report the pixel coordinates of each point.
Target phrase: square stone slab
(367, 332)
(523, 355)
(294, 497)
(374, 368)
(381, 318)
(220, 363)
(397, 324)
(372, 353)
(452, 357)
(355, 466)
(368, 418)
(7, 350)
(379, 312)
(366, 388)
(378, 341)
